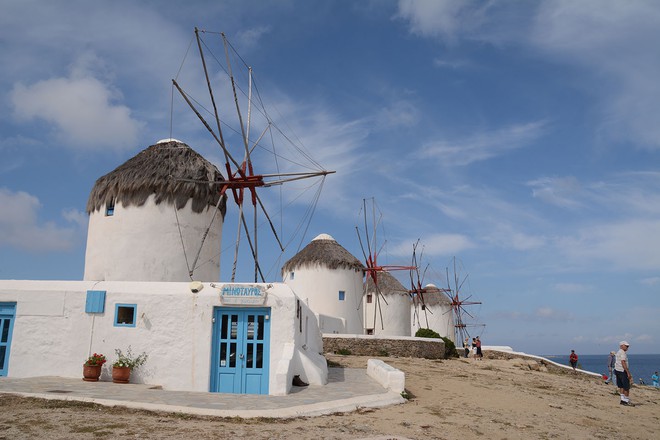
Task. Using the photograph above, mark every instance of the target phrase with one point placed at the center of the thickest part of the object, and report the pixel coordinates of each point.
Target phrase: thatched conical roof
(159, 170)
(435, 297)
(326, 252)
(387, 284)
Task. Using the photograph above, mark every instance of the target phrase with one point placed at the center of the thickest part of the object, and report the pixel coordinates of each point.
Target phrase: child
(654, 378)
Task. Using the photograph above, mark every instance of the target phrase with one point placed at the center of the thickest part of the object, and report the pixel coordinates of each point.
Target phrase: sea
(642, 366)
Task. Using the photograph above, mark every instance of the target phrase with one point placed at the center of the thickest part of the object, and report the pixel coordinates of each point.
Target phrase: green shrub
(426, 333)
(450, 348)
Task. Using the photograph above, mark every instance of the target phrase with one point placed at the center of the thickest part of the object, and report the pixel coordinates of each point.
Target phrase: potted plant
(92, 367)
(122, 367)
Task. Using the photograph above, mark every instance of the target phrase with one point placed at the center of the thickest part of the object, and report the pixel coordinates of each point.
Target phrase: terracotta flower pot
(121, 374)
(91, 373)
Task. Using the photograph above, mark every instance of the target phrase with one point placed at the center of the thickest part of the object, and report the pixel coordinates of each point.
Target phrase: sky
(519, 139)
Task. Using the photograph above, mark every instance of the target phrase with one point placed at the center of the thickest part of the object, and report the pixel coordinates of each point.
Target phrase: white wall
(319, 287)
(53, 335)
(391, 318)
(143, 243)
(439, 318)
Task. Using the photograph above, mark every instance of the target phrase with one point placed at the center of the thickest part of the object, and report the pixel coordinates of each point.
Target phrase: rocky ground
(449, 399)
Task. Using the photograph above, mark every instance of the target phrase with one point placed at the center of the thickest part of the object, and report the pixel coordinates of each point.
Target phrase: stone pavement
(348, 389)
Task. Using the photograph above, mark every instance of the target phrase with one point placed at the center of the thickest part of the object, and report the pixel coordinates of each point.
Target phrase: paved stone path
(347, 390)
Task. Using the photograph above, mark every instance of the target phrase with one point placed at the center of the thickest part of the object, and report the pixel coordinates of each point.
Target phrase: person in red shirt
(573, 358)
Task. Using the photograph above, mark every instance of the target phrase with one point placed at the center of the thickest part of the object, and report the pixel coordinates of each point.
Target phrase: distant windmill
(371, 250)
(455, 283)
(426, 298)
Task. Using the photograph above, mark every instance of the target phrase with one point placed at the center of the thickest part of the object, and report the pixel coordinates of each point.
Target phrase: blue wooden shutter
(95, 301)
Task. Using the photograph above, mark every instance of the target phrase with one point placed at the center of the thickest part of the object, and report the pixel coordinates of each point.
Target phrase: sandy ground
(449, 399)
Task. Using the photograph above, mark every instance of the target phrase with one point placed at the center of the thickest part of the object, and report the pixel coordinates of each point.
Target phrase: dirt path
(450, 399)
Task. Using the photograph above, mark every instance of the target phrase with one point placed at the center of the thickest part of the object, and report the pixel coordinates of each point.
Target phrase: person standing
(573, 358)
(622, 372)
(655, 378)
(466, 346)
(480, 355)
(611, 360)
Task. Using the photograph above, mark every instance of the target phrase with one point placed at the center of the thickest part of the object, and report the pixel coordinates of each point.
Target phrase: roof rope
(206, 233)
(183, 245)
(183, 61)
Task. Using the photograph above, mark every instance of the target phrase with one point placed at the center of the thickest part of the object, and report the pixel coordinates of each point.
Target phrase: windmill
(426, 298)
(244, 177)
(455, 285)
(371, 250)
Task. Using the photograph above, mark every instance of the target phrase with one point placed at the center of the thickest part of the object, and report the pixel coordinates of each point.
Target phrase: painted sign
(242, 294)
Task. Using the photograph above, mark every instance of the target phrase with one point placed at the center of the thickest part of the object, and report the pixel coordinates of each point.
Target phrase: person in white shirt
(622, 372)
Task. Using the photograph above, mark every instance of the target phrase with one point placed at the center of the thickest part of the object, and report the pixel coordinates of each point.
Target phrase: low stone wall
(395, 346)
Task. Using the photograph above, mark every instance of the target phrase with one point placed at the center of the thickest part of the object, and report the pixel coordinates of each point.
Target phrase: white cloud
(401, 113)
(652, 281)
(80, 218)
(437, 18)
(435, 245)
(635, 193)
(622, 195)
(626, 245)
(81, 109)
(548, 313)
(310, 130)
(521, 241)
(643, 338)
(542, 313)
(249, 38)
(560, 191)
(482, 212)
(572, 287)
(483, 145)
(451, 64)
(612, 40)
(21, 229)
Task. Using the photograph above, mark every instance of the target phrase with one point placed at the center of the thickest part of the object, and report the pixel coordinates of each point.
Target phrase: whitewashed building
(386, 309)
(157, 217)
(434, 313)
(234, 338)
(148, 284)
(329, 280)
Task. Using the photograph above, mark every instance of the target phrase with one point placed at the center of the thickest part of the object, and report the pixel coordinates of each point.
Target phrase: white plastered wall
(319, 287)
(53, 335)
(389, 316)
(440, 319)
(146, 243)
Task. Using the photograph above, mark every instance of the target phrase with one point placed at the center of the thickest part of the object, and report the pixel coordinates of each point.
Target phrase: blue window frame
(125, 315)
(7, 313)
(342, 295)
(110, 208)
(95, 301)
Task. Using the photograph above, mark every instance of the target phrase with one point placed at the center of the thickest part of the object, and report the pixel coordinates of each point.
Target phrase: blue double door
(240, 353)
(7, 313)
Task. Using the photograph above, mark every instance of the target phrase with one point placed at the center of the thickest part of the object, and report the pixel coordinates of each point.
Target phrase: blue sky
(520, 137)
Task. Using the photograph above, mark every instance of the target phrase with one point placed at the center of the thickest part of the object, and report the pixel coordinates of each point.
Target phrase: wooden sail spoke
(243, 175)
